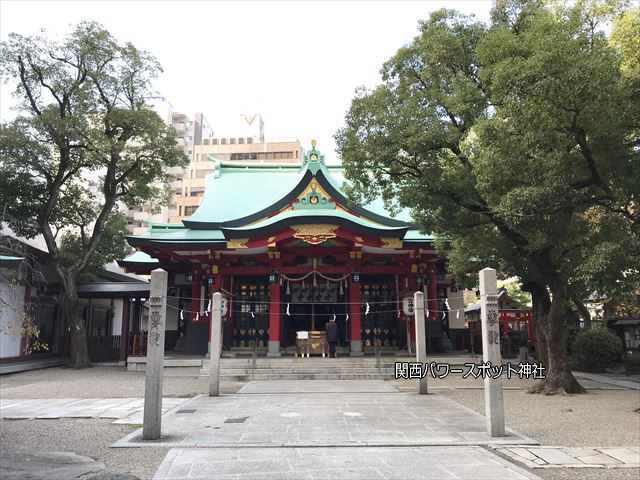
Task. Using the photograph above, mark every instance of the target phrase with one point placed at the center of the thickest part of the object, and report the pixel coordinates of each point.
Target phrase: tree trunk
(541, 303)
(584, 313)
(558, 376)
(72, 312)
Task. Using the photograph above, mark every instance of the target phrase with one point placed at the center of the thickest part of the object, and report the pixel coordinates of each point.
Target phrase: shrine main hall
(288, 251)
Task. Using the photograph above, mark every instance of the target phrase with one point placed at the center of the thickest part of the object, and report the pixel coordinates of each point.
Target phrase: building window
(180, 210)
(197, 191)
(203, 173)
(232, 141)
(189, 210)
(241, 141)
(249, 140)
(223, 141)
(214, 141)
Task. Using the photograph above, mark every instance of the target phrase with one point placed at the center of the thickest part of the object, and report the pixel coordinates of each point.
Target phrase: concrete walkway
(347, 413)
(123, 410)
(574, 457)
(351, 463)
(631, 382)
(315, 429)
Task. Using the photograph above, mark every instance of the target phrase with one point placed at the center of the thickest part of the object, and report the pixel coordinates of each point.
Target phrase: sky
(295, 63)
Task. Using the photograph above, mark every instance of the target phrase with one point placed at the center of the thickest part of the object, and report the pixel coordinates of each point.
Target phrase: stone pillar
(155, 356)
(421, 339)
(216, 345)
(493, 401)
(274, 319)
(217, 284)
(433, 293)
(124, 331)
(355, 320)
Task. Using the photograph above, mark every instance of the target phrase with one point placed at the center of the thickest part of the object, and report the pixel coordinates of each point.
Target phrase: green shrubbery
(631, 363)
(595, 350)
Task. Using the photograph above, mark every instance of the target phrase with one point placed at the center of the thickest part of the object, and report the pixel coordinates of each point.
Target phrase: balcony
(177, 171)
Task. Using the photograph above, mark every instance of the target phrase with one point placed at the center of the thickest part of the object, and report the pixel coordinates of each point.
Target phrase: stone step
(304, 370)
(310, 376)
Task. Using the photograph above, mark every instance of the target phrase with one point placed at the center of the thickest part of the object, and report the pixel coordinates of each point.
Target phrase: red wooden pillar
(124, 331)
(274, 319)
(355, 321)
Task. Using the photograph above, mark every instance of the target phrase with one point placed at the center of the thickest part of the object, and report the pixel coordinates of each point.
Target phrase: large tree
(518, 141)
(83, 140)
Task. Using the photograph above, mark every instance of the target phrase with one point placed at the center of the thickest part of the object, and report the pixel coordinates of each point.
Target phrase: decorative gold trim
(391, 242)
(314, 234)
(314, 187)
(271, 242)
(237, 243)
(214, 269)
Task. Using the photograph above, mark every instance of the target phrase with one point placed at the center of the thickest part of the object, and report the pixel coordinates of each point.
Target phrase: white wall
(10, 319)
(116, 326)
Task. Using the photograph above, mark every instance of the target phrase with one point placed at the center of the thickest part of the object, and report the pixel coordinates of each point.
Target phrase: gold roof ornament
(313, 144)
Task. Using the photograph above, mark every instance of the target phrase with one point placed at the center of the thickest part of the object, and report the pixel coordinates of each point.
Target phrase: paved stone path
(350, 463)
(344, 417)
(56, 465)
(574, 457)
(123, 410)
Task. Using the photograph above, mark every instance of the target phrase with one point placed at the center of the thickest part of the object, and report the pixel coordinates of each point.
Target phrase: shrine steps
(312, 368)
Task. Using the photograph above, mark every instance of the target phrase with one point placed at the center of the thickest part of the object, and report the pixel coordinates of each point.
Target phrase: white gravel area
(600, 418)
(99, 382)
(86, 437)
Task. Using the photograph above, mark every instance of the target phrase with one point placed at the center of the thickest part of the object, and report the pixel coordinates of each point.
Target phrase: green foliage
(595, 350)
(518, 298)
(83, 141)
(631, 363)
(112, 246)
(518, 141)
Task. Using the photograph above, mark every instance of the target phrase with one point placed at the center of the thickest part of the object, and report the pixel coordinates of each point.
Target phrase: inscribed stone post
(216, 333)
(155, 356)
(421, 339)
(493, 401)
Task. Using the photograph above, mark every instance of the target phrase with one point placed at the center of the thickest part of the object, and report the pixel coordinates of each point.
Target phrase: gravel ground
(600, 418)
(99, 382)
(604, 417)
(87, 437)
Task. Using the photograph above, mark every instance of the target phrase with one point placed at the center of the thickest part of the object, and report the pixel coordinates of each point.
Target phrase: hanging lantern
(188, 277)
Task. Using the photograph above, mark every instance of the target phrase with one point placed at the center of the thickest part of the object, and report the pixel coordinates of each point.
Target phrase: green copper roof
(7, 257)
(236, 191)
(304, 216)
(416, 236)
(183, 235)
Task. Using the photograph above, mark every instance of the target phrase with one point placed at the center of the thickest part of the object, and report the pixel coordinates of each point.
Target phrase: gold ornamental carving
(391, 242)
(314, 234)
(237, 243)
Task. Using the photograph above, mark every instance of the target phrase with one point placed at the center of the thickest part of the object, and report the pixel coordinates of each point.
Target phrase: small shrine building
(289, 252)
